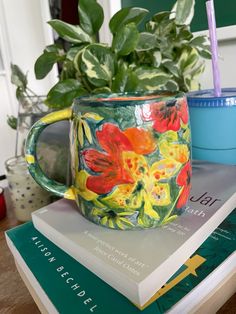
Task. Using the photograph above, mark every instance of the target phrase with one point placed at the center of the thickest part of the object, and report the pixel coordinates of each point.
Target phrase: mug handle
(48, 184)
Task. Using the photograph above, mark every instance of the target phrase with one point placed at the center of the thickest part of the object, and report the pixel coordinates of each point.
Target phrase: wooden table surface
(14, 296)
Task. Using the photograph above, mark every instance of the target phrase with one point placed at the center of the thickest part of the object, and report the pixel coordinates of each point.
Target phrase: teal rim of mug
(207, 99)
(126, 97)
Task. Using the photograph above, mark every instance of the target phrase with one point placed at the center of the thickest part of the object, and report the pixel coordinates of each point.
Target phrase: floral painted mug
(130, 158)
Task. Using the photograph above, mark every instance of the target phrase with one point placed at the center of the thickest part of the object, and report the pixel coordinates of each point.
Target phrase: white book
(139, 263)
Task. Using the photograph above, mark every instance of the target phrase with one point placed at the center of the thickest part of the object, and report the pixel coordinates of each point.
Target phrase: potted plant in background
(165, 55)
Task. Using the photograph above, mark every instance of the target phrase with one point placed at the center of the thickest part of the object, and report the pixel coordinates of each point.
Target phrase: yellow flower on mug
(113, 219)
(146, 191)
(177, 152)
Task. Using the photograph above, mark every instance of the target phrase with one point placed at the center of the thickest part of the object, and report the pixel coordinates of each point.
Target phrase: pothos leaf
(146, 41)
(151, 78)
(188, 59)
(97, 62)
(184, 11)
(201, 43)
(71, 33)
(126, 16)
(90, 16)
(172, 67)
(126, 39)
(125, 80)
(72, 52)
(64, 92)
(160, 16)
(172, 86)
(157, 57)
(44, 64)
(101, 90)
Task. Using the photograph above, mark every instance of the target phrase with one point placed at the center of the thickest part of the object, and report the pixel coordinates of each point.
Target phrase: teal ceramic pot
(130, 158)
(213, 125)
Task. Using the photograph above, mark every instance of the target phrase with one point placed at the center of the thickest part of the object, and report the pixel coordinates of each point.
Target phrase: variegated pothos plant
(165, 55)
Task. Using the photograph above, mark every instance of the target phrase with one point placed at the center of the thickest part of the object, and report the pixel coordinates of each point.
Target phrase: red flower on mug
(183, 179)
(166, 116)
(109, 163)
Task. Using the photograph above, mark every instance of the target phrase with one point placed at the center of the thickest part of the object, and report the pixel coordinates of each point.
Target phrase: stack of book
(71, 265)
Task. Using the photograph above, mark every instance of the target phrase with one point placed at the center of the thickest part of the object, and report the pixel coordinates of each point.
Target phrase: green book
(65, 286)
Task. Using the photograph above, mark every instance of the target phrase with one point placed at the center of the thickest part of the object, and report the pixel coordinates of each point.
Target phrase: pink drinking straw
(214, 46)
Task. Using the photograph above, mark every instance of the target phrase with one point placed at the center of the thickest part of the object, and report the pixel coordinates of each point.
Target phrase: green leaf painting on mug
(83, 126)
(112, 219)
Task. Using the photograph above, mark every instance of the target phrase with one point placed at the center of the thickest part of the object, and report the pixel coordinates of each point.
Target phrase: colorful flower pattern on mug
(133, 176)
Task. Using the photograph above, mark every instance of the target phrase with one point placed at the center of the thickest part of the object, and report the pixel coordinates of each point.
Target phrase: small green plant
(28, 99)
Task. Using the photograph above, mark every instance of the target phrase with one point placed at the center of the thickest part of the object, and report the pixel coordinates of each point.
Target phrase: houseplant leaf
(63, 93)
(12, 122)
(68, 70)
(126, 16)
(97, 63)
(156, 58)
(71, 33)
(146, 41)
(160, 16)
(156, 20)
(125, 40)
(188, 59)
(125, 80)
(201, 43)
(205, 53)
(172, 86)
(90, 16)
(18, 78)
(172, 67)
(184, 11)
(151, 78)
(72, 52)
(44, 64)
(184, 33)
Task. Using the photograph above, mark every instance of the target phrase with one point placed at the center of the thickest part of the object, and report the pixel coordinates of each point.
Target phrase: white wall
(23, 36)
(28, 33)
(227, 59)
(109, 9)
